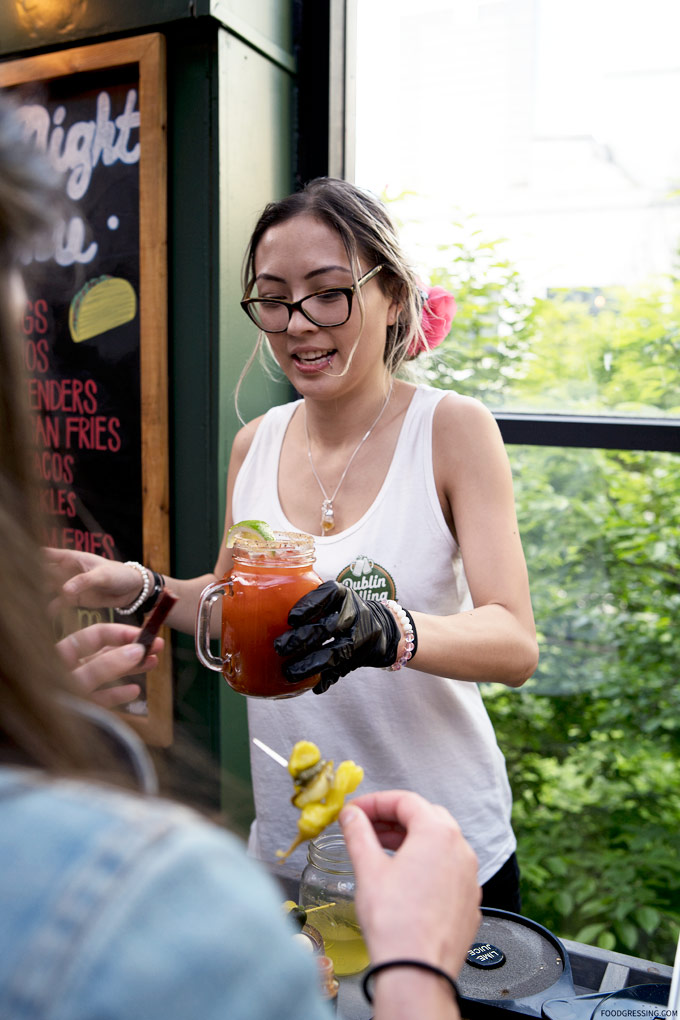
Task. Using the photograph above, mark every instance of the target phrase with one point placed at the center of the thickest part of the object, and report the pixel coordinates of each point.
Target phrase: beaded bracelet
(415, 633)
(127, 610)
(421, 964)
(158, 589)
(408, 631)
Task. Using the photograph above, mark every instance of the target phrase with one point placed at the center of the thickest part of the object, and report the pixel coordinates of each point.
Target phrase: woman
(410, 494)
(120, 906)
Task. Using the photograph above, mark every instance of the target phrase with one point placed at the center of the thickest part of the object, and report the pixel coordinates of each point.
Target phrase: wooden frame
(148, 53)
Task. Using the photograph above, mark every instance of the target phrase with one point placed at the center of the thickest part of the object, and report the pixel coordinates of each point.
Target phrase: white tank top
(409, 730)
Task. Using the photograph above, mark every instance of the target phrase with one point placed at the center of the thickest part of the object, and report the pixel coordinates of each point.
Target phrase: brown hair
(35, 728)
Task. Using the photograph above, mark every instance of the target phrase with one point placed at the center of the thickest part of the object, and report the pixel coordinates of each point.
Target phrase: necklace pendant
(327, 516)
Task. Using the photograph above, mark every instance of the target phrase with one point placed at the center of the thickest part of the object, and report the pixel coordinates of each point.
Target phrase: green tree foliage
(593, 740)
(609, 352)
(488, 348)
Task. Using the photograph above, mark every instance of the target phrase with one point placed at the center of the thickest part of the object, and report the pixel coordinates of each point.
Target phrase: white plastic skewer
(270, 751)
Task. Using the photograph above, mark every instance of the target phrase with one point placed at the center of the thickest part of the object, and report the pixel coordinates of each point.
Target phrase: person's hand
(102, 654)
(335, 631)
(85, 579)
(422, 902)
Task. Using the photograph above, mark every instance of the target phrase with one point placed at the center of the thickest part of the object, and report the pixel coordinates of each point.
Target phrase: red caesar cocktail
(267, 579)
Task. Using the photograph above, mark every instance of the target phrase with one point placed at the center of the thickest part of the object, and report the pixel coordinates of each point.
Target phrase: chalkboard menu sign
(95, 328)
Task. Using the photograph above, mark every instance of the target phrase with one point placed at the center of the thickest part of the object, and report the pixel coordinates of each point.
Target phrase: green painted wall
(193, 296)
(231, 143)
(255, 158)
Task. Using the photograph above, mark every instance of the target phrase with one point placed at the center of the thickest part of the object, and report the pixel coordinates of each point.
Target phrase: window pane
(529, 148)
(592, 741)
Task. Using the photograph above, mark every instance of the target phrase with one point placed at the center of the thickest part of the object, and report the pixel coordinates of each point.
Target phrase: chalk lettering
(54, 467)
(61, 502)
(86, 617)
(36, 355)
(78, 150)
(69, 395)
(88, 541)
(95, 433)
(35, 318)
(46, 431)
(65, 246)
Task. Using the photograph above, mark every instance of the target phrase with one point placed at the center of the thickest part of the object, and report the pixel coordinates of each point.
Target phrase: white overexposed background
(553, 123)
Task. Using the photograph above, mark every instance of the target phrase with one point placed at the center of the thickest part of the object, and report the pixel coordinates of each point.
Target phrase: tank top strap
(413, 454)
(253, 485)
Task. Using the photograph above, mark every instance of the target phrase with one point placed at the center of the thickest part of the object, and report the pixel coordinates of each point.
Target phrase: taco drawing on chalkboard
(103, 303)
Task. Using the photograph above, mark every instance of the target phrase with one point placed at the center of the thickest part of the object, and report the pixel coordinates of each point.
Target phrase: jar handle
(207, 600)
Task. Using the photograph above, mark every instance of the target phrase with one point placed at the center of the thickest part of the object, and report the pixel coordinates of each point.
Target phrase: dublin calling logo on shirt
(368, 579)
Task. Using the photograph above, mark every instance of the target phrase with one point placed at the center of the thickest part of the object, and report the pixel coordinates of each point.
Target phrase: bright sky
(546, 118)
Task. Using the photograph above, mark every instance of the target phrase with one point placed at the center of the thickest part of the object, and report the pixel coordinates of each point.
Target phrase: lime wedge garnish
(258, 531)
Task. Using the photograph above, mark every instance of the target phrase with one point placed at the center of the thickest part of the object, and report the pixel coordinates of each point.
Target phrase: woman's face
(300, 257)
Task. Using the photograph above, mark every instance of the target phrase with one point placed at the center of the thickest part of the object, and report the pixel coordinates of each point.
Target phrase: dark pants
(502, 889)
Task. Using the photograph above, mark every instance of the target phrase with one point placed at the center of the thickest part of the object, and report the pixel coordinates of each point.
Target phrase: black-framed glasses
(331, 307)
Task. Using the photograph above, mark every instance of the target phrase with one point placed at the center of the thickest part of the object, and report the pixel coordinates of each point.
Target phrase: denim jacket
(118, 907)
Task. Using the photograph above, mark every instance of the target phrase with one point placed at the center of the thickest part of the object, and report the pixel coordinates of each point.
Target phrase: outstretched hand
(335, 631)
(104, 653)
(85, 579)
(422, 901)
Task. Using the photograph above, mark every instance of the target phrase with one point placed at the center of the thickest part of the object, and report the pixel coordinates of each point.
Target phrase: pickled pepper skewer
(320, 790)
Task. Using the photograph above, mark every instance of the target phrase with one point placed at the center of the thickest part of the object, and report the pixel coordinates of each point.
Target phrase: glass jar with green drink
(328, 880)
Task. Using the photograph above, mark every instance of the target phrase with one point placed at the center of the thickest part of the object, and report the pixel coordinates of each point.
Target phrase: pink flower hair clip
(439, 308)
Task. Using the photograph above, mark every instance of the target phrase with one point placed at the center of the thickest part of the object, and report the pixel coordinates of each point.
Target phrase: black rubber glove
(336, 631)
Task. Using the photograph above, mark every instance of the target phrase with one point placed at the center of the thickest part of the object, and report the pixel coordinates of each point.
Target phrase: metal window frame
(590, 431)
(342, 88)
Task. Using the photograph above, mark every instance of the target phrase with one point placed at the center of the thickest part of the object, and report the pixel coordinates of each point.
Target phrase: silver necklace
(327, 514)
